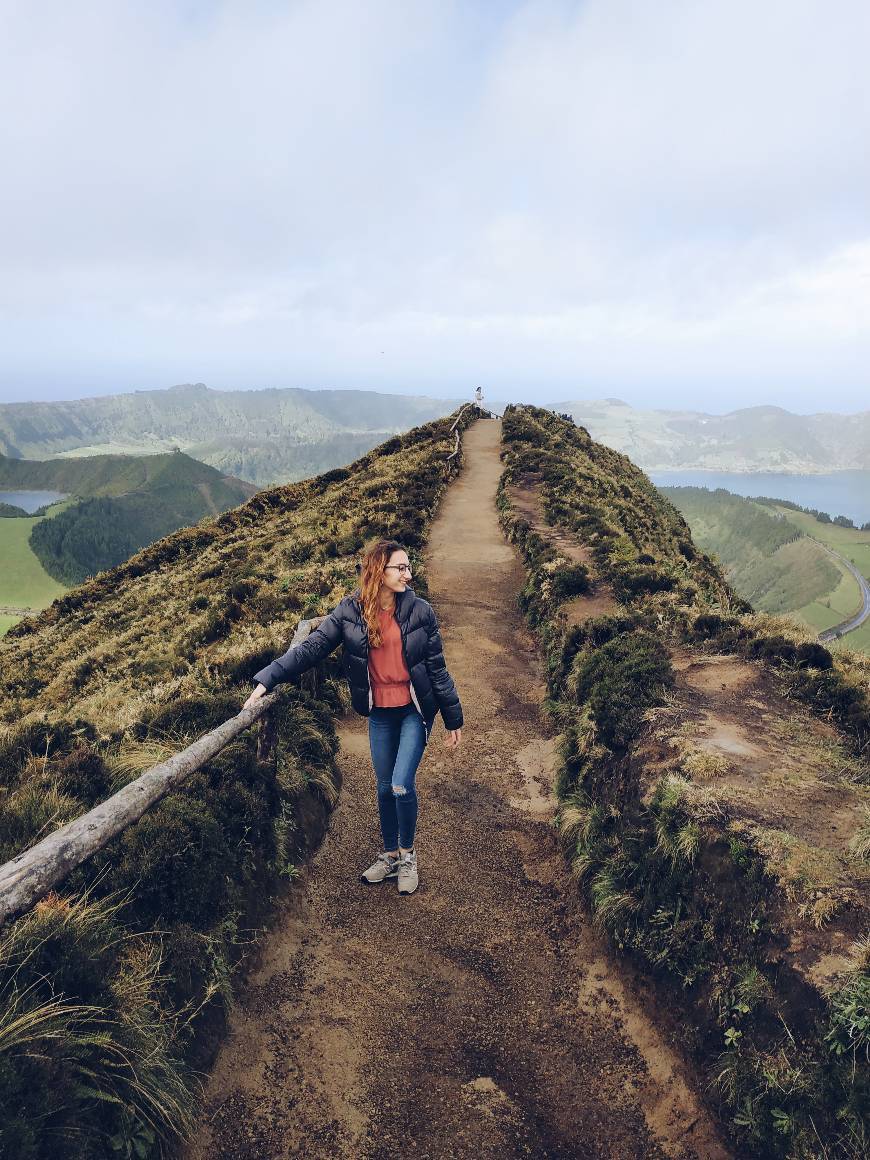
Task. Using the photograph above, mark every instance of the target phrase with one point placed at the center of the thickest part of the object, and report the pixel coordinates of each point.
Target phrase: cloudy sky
(668, 202)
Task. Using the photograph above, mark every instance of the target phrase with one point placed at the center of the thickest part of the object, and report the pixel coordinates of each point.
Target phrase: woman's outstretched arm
(296, 661)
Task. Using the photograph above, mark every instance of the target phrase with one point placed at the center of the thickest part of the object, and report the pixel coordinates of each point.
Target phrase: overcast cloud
(667, 202)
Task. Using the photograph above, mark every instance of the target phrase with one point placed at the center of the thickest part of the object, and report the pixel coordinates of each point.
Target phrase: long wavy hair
(371, 577)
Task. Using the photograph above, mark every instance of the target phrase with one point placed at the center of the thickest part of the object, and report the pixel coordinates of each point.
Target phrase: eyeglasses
(398, 567)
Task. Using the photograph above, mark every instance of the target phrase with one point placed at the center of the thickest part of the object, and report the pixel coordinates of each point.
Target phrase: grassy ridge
(102, 531)
(673, 844)
(774, 558)
(116, 674)
(103, 475)
(768, 559)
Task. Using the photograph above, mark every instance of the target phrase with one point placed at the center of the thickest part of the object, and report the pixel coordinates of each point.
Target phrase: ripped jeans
(397, 738)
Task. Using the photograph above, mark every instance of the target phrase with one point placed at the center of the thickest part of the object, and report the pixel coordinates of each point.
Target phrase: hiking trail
(482, 1016)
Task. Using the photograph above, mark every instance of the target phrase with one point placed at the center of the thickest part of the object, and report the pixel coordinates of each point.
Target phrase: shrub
(814, 656)
(44, 739)
(620, 681)
(175, 860)
(570, 580)
(633, 581)
(83, 774)
(185, 716)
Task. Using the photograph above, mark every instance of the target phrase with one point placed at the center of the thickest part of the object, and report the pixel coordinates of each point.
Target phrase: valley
(782, 560)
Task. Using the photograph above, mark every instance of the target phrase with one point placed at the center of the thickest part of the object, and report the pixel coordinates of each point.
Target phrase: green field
(843, 602)
(6, 623)
(24, 583)
(854, 545)
(773, 571)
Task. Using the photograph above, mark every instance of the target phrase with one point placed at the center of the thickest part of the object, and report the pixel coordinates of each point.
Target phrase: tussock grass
(659, 831)
(107, 1004)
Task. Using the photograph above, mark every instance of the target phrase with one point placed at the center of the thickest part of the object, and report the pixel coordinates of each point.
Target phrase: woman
(394, 664)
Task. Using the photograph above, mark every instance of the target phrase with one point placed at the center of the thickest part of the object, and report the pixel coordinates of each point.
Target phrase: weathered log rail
(30, 875)
(455, 426)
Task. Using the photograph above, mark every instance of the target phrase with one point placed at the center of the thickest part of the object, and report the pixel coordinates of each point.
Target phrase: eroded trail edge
(482, 1016)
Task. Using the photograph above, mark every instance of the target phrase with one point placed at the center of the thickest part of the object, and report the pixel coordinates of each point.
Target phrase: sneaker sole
(378, 881)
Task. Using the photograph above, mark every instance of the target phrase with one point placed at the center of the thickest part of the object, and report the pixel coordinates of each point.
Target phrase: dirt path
(480, 1017)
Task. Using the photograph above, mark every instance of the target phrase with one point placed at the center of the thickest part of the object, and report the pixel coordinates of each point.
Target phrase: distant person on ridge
(394, 664)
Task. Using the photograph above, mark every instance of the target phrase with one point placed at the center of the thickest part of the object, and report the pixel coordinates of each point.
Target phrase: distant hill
(125, 504)
(113, 475)
(749, 439)
(265, 436)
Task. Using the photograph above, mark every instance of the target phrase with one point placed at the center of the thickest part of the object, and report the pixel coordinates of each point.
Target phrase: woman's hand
(259, 692)
(454, 736)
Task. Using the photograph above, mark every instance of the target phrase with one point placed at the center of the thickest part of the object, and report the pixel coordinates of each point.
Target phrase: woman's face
(397, 572)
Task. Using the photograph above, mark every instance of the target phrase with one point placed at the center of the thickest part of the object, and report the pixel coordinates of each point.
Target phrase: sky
(667, 203)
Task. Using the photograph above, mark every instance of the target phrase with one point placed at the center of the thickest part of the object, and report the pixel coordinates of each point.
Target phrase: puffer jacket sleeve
(443, 688)
(296, 661)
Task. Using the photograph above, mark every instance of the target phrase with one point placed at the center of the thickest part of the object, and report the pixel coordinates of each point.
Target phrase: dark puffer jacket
(432, 687)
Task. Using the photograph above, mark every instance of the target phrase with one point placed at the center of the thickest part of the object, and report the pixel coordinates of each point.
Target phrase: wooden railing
(30, 875)
(454, 427)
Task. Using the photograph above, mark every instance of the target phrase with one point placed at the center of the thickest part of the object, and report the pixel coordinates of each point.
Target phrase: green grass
(836, 606)
(798, 579)
(858, 640)
(849, 542)
(24, 583)
(6, 623)
(773, 563)
(854, 545)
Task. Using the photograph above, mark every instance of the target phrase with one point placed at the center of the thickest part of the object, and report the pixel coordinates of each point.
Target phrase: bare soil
(482, 1016)
(779, 760)
(783, 772)
(525, 496)
(776, 770)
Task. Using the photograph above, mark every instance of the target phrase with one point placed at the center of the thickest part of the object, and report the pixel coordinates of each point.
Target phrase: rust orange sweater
(391, 681)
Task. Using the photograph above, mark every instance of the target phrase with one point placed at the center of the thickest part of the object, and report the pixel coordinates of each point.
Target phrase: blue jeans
(397, 738)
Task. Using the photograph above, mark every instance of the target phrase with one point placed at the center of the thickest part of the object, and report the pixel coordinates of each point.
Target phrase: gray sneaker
(408, 873)
(384, 866)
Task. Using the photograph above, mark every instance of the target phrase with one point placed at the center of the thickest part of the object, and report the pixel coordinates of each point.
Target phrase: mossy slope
(706, 753)
(111, 990)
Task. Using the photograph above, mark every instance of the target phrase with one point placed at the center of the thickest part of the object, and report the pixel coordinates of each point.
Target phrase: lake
(841, 493)
(31, 500)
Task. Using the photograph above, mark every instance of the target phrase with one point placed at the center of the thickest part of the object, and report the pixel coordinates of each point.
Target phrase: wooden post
(30, 875)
